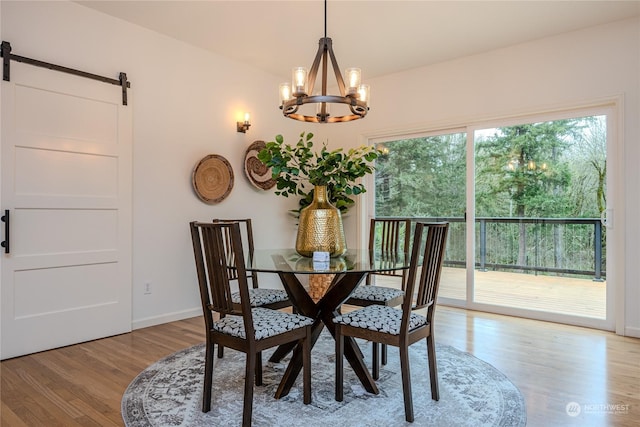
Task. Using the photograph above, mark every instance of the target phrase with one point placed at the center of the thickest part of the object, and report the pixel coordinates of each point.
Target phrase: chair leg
(406, 383)
(375, 360)
(220, 347)
(433, 368)
(208, 376)
(259, 369)
(384, 354)
(339, 363)
(306, 367)
(250, 370)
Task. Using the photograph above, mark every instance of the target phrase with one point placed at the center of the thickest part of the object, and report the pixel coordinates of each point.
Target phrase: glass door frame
(614, 220)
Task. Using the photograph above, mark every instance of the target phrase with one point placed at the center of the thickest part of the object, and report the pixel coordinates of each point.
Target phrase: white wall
(576, 69)
(186, 102)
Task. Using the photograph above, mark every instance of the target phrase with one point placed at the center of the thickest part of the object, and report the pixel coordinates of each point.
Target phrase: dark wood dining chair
(391, 238)
(244, 328)
(258, 297)
(402, 327)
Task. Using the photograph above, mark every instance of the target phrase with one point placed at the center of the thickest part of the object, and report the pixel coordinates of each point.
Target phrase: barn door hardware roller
(7, 56)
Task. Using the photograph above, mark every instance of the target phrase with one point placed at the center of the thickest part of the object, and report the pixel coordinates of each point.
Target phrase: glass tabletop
(355, 260)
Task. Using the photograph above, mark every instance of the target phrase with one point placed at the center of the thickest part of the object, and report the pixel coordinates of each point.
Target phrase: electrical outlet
(147, 288)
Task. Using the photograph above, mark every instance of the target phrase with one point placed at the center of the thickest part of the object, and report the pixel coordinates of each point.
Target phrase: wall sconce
(244, 126)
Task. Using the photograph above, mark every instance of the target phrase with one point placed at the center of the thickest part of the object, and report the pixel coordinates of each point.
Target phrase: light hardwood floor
(551, 364)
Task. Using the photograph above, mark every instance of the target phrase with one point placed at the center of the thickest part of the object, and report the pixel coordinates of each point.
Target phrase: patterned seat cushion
(376, 293)
(379, 318)
(262, 296)
(266, 323)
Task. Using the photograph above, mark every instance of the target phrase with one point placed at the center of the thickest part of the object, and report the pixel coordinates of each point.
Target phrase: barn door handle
(5, 242)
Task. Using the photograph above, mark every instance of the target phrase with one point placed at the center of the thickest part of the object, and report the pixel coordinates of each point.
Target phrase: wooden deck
(578, 297)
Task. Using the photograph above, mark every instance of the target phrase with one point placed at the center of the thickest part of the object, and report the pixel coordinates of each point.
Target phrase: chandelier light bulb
(323, 109)
(285, 92)
(364, 94)
(299, 81)
(353, 76)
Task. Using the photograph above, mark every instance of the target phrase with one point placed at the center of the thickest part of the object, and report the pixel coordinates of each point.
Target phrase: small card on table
(321, 260)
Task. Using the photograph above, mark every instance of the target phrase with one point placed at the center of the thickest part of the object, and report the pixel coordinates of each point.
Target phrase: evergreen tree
(554, 169)
(422, 177)
(524, 164)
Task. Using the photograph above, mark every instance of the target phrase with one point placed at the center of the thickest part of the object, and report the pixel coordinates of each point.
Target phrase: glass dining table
(349, 270)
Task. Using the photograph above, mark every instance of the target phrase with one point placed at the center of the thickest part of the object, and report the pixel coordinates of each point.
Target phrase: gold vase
(320, 227)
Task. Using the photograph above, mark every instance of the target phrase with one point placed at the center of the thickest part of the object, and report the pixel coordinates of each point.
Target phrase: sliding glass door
(423, 177)
(527, 204)
(540, 194)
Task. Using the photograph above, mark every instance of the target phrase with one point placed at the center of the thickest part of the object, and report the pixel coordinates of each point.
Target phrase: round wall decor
(212, 178)
(257, 173)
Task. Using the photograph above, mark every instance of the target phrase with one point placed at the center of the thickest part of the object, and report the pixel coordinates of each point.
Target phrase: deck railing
(558, 246)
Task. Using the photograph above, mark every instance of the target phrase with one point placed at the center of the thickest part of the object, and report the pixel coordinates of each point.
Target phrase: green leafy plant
(297, 168)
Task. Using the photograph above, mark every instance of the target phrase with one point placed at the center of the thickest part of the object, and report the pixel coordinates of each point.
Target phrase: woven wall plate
(257, 173)
(212, 178)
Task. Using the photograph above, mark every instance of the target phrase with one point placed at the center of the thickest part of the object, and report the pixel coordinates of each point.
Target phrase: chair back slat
(427, 256)
(213, 259)
(247, 243)
(217, 261)
(390, 237)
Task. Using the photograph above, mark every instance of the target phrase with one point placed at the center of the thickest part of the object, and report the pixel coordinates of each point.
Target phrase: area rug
(472, 392)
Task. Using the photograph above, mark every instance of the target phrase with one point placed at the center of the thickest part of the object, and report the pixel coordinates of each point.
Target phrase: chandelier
(354, 95)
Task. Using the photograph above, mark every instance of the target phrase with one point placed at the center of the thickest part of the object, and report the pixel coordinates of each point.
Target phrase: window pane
(421, 177)
(424, 178)
(540, 191)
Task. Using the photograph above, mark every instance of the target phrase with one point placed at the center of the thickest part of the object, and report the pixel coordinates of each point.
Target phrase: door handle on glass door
(606, 218)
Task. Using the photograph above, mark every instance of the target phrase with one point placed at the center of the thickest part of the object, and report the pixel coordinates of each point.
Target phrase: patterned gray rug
(472, 393)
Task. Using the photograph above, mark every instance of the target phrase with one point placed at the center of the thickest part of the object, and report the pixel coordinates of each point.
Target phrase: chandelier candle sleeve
(299, 81)
(364, 94)
(285, 92)
(322, 108)
(353, 76)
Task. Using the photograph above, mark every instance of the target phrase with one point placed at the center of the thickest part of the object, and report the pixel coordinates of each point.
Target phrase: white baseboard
(166, 318)
(632, 332)
(195, 312)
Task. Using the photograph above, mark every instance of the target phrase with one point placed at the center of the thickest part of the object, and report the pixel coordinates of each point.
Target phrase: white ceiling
(380, 37)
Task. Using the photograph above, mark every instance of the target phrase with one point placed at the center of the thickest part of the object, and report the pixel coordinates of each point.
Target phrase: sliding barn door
(66, 184)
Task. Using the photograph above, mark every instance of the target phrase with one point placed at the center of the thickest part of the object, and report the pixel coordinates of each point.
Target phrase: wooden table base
(323, 312)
